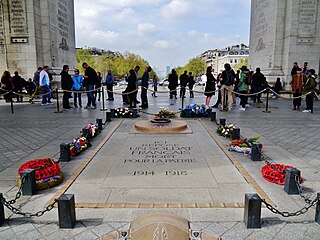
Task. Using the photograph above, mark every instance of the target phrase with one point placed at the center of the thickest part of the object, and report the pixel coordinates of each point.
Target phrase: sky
(163, 32)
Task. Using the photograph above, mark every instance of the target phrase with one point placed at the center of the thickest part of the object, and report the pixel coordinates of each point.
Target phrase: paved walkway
(35, 131)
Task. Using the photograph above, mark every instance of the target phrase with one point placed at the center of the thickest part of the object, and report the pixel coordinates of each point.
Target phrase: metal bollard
(99, 123)
(134, 113)
(236, 134)
(255, 152)
(252, 210)
(2, 215)
(213, 116)
(108, 116)
(290, 185)
(113, 111)
(222, 121)
(64, 152)
(29, 187)
(318, 209)
(86, 133)
(66, 211)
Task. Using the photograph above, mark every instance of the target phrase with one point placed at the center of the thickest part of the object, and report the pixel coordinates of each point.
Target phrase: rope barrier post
(252, 210)
(99, 123)
(103, 107)
(255, 152)
(134, 113)
(11, 102)
(113, 113)
(267, 103)
(290, 184)
(108, 116)
(213, 116)
(64, 152)
(57, 97)
(224, 106)
(317, 218)
(222, 121)
(29, 185)
(2, 215)
(86, 133)
(66, 211)
(236, 134)
(182, 97)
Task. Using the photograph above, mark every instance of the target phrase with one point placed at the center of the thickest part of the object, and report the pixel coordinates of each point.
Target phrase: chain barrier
(306, 197)
(293, 214)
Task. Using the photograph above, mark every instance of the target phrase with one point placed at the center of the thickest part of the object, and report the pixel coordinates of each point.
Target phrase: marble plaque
(18, 18)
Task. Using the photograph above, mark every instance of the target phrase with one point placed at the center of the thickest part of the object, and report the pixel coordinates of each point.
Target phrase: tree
(196, 65)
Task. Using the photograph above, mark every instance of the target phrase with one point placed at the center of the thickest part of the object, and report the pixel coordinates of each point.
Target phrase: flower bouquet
(123, 113)
(195, 110)
(78, 145)
(165, 113)
(243, 145)
(225, 131)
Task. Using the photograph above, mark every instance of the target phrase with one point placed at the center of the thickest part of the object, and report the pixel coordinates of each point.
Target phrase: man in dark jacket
(90, 77)
(144, 87)
(183, 83)
(66, 85)
(258, 83)
(18, 84)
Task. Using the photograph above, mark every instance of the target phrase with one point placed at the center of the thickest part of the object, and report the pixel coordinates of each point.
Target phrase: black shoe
(260, 102)
(137, 101)
(215, 106)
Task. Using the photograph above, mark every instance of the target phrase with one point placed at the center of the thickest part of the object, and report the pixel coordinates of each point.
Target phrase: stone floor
(34, 131)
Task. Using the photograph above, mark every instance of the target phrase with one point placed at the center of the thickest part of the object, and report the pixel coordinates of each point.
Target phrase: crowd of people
(228, 84)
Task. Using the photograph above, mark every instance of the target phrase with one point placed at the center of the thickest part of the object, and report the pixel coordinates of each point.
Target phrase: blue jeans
(46, 95)
(90, 95)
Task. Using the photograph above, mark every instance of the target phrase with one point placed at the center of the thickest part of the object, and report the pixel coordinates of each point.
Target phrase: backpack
(247, 79)
(229, 78)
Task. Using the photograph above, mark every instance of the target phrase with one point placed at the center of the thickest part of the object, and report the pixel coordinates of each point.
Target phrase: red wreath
(44, 168)
(275, 173)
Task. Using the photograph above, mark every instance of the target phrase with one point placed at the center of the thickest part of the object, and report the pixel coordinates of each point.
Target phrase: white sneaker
(306, 111)
(247, 105)
(43, 104)
(50, 103)
(242, 109)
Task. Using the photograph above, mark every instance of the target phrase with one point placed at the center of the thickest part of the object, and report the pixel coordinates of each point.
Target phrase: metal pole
(103, 109)
(57, 97)
(11, 101)
(267, 103)
(182, 100)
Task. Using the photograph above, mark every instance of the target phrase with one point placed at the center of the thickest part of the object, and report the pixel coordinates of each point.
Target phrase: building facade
(283, 32)
(232, 55)
(35, 33)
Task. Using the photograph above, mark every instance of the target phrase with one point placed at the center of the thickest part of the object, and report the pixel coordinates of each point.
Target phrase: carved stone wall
(283, 32)
(35, 33)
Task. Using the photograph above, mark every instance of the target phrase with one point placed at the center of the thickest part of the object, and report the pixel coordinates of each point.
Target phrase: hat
(243, 68)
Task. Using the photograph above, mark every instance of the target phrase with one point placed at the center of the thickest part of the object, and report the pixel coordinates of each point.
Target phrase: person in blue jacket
(77, 86)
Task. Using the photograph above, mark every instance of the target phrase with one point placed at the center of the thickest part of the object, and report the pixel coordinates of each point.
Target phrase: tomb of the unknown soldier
(113, 148)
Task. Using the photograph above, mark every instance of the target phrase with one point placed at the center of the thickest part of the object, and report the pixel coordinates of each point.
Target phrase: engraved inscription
(262, 24)
(307, 18)
(1, 25)
(18, 17)
(160, 153)
(63, 23)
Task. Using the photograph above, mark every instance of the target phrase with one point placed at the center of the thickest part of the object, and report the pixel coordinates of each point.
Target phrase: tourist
(90, 77)
(132, 88)
(243, 87)
(183, 84)
(66, 85)
(210, 86)
(309, 89)
(305, 68)
(296, 86)
(277, 87)
(216, 105)
(295, 68)
(18, 84)
(30, 87)
(144, 88)
(227, 79)
(77, 87)
(109, 83)
(44, 83)
(36, 80)
(136, 70)
(191, 83)
(258, 84)
(97, 86)
(155, 85)
(173, 83)
(7, 85)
